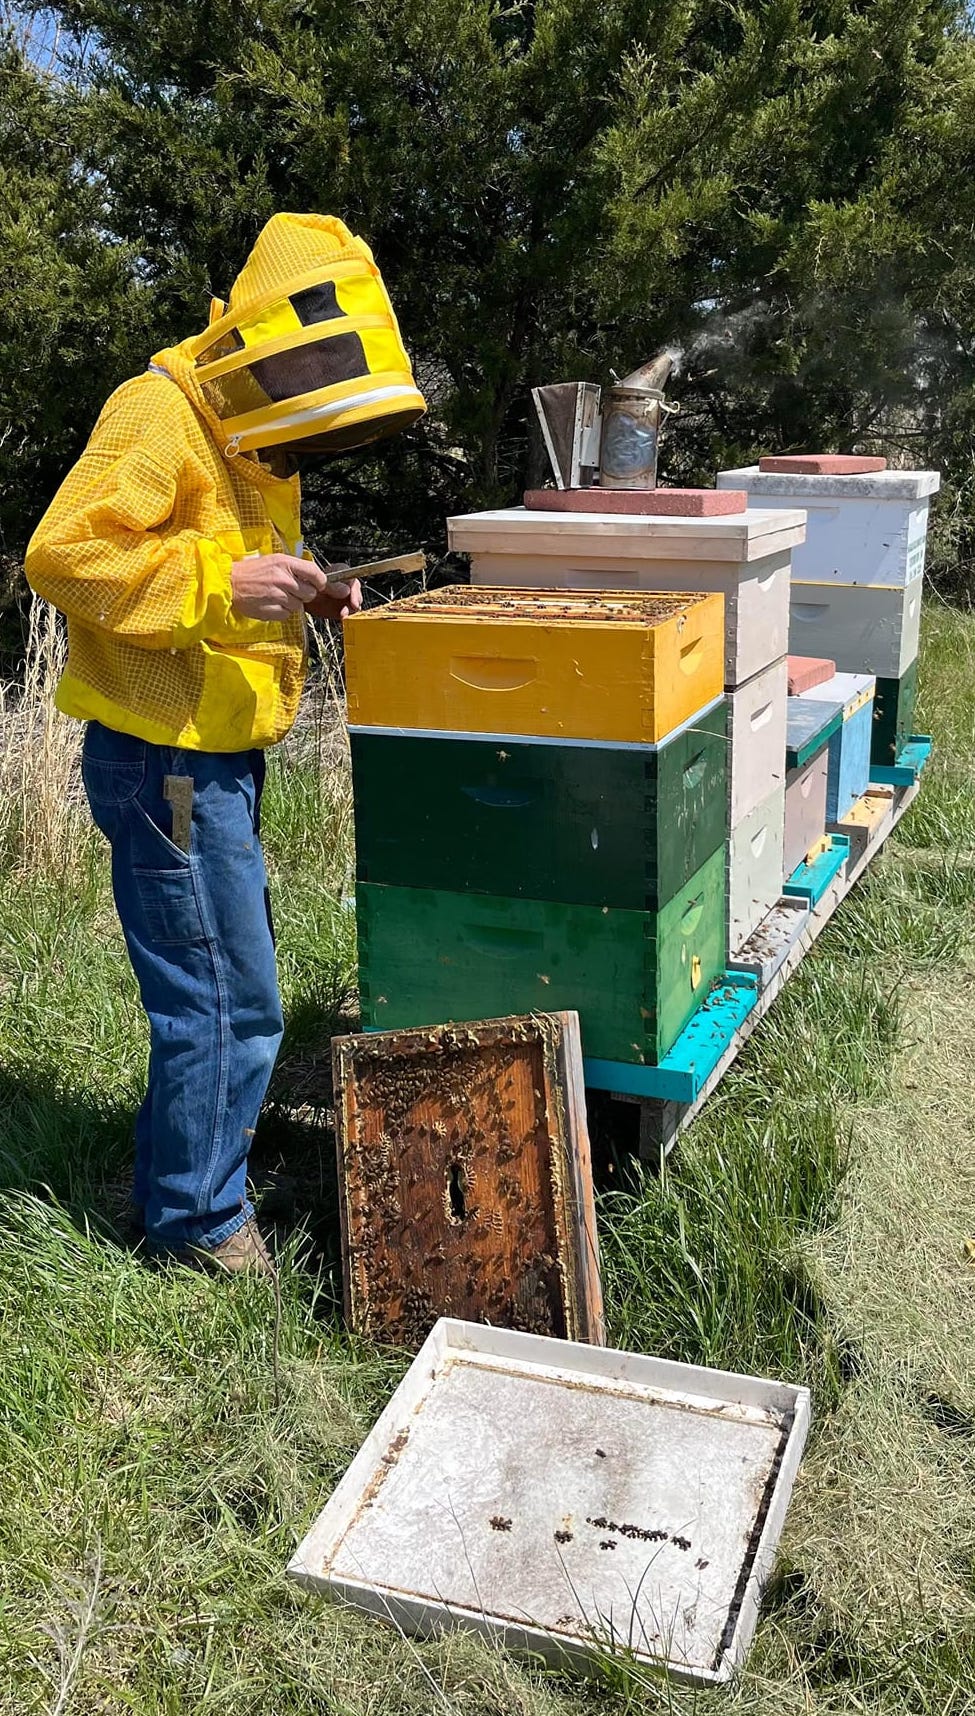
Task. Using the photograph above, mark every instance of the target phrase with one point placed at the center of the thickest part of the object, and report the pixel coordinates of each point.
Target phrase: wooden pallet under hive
(465, 1184)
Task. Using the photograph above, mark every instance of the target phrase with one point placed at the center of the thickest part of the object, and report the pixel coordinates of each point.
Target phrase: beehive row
(556, 808)
(540, 799)
(856, 599)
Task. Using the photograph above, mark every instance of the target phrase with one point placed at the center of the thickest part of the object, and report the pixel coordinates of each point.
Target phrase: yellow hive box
(621, 667)
(863, 823)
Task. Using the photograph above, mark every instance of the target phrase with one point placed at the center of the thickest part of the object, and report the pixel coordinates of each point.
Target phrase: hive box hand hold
(465, 1186)
(566, 1500)
(599, 825)
(566, 664)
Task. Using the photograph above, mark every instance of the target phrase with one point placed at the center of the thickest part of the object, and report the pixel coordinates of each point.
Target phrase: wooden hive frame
(465, 1184)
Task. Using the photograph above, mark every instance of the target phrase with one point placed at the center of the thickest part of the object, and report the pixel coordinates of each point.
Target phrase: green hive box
(594, 825)
(893, 715)
(427, 956)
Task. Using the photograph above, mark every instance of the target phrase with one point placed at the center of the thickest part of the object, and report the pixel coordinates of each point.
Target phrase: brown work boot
(244, 1249)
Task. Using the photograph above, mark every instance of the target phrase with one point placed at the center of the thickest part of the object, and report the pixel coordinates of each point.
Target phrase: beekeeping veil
(306, 352)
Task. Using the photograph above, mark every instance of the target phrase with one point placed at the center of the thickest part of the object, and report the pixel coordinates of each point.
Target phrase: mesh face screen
(316, 304)
(304, 369)
(286, 375)
(230, 341)
(235, 395)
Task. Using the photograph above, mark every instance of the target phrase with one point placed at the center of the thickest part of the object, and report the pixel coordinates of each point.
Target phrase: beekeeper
(174, 549)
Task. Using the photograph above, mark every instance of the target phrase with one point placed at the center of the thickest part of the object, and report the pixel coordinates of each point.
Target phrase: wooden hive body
(626, 669)
(584, 824)
(635, 977)
(866, 529)
(864, 628)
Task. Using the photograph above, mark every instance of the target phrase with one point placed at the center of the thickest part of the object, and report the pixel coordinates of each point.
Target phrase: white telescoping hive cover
(566, 1499)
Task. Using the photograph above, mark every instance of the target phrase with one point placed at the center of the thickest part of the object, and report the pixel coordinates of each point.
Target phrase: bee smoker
(606, 437)
(632, 409)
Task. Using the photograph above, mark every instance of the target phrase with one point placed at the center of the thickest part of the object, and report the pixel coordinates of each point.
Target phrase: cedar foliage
(780, 188)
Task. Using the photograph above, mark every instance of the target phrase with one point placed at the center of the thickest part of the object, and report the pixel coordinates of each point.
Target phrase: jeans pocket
(109, 787)
(170, 906)
(152, 848)
(113, 766)
(165, 878)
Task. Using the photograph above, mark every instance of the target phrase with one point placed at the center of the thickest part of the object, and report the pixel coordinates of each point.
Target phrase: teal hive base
(811, 880)
(909, 764)
(686, 1068)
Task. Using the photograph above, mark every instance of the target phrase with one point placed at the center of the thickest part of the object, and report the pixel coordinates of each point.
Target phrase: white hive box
(805, 809)
(869, 529)
(755, 867)
(743, 556)
(757, 736)
(864, 628)
(566, 1500)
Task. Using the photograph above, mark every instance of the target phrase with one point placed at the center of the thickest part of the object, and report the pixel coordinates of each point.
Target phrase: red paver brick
(805, 671)
(822, 465)
(674, 503)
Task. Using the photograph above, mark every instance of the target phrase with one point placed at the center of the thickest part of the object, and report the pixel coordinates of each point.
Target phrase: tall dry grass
(44, 821)
(43, 817)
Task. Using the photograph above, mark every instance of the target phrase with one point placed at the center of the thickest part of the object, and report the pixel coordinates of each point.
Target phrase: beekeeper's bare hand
(272, 586)
(339, 600)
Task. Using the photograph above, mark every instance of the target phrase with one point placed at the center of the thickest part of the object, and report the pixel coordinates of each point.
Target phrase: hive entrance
(455, 1191)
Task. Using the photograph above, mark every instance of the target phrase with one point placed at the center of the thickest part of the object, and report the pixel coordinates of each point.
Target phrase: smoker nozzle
(653, 374)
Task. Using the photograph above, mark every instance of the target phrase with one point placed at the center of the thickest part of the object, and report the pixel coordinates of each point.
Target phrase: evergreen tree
(71, 309)
(556, 187)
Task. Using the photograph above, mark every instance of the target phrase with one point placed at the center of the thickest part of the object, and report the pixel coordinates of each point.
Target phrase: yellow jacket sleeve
(111, 552)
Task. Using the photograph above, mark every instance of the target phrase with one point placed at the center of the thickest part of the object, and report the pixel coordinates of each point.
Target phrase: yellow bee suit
(137, 547)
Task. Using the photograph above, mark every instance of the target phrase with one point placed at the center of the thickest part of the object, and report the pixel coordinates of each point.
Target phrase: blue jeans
(197, 926)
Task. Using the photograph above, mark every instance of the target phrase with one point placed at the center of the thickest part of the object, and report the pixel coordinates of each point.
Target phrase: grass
(158, 1472)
